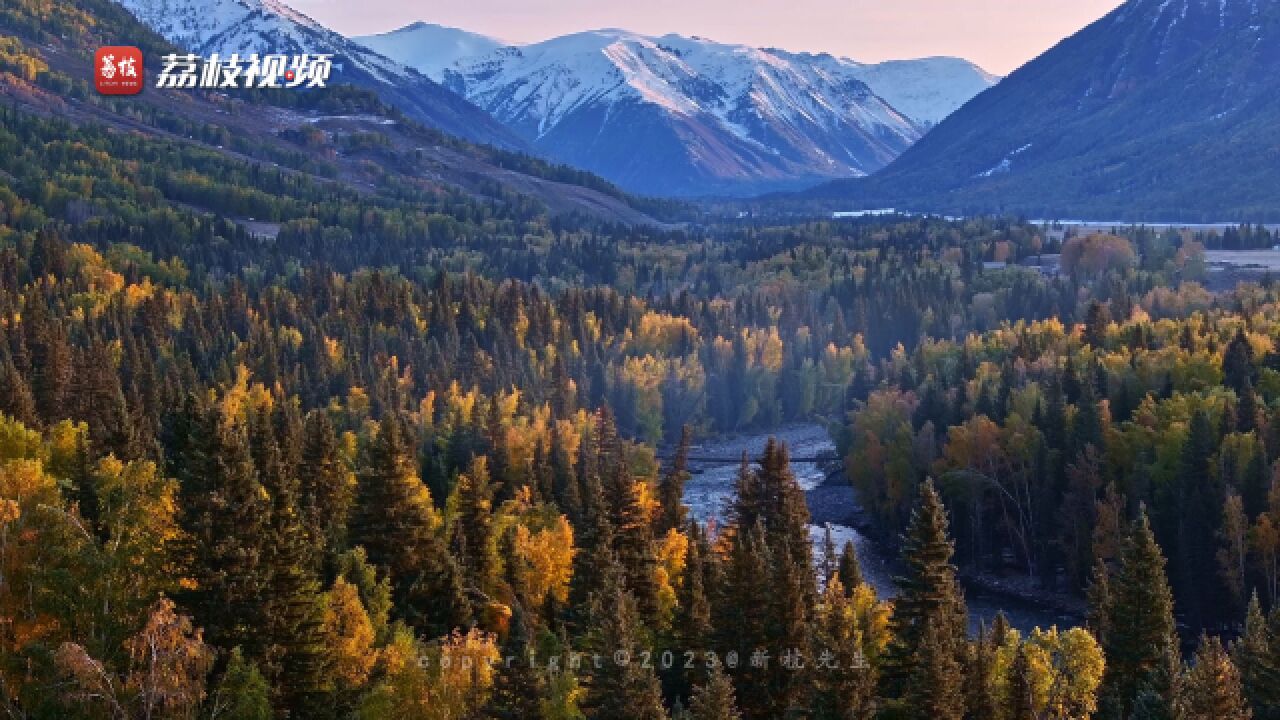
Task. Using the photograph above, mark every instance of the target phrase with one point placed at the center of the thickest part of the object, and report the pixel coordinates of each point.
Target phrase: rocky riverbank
(833, 504)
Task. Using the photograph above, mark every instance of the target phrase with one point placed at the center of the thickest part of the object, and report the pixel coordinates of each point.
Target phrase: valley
(483, 382)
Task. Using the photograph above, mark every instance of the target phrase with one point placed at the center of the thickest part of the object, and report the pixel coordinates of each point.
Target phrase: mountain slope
(340, 137)
(262, 26)
(676, 115)
(1162, 110)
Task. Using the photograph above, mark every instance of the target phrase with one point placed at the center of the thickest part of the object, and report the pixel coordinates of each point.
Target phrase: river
(835, 505)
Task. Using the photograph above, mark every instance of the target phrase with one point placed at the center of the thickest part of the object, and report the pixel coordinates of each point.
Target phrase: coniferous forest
(421, 452)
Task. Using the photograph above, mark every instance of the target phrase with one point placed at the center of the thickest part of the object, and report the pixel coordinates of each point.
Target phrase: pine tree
(980, 700)
(243, 693)
(1195, 573)
(620, 690)
(16, 399)
(1259, 673)
(519, 688)
(929, 598)
(671, 490)
(1211, 689)
(935, 688)
(713, 700)
(473, 541)
(1019, 703)
(327, 485)
(295, 655)
(225, 515)
(1237, 363)
(396, 523)
(849, 568)
(1140, 638)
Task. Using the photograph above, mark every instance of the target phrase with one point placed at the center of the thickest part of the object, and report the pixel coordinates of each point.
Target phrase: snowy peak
(926, 90)
(269, 26)
(741, 113)
(431, 49)
(727, 117)
(247, 26)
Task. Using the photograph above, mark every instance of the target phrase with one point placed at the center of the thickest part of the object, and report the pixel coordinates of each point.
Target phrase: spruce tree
(742, 624)
(671, 489)
(788, 633)
(1195, 575)
(621, 687)
(1256, 660)
(849, 568)
(1237, 363)
(929, 598)
(980, 680)
(935, 687)
(242, 694)
(16, 399)
(843, 681)
(829, 559)
(519, 687)
(295, 655)
(693, 612)
(1211, 688)
(1018, 702)
(713, 700)
(327, 486)
(473, 542)
(1140, 641)
(396, 523)
(225, 513)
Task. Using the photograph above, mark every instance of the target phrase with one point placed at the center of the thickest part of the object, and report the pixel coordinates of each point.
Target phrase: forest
(400, 458)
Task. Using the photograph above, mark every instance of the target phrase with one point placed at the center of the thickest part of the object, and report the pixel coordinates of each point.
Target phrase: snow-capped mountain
(430, 49)
(270, 26)
(677, 115)
(926, 90)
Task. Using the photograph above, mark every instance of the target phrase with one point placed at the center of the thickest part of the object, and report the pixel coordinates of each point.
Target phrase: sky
(999, 35)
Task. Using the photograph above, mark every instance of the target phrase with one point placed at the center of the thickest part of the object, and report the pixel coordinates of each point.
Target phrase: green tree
(242, 694)
(1140, 639)
(929, 600)
(397, 525)
(1257, 662)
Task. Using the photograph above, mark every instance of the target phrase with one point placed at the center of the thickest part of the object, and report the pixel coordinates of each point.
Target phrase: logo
(117, 70)
(236, 72)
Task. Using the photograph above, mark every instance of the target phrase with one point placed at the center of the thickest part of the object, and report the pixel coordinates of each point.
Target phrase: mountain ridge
(246, 26)
(729, 118)
(1162, 108)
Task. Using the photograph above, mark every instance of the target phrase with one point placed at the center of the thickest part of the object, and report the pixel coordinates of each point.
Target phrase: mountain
(1162, 110)
(342, 137)
(262, 26)
(685, 116)
(430, 49)
(926, 90)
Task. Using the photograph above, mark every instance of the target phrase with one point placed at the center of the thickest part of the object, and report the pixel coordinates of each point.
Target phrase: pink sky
(999, 35)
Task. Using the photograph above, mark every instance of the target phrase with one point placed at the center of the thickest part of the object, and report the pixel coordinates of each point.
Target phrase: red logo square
(117, 70)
